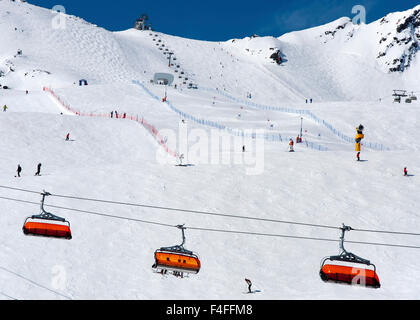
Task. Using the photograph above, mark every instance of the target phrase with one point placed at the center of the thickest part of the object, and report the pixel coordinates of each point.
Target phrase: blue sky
(219, 20)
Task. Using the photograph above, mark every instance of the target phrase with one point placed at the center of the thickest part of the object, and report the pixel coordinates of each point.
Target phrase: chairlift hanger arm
(179, 248)
(44, 214)
(182, 227)
(346, 256)
(349, 257)
(48, 216)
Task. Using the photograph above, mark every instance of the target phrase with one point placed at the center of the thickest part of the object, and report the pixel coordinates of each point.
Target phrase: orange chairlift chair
(47, 224)
(347, 274)
(176, 259)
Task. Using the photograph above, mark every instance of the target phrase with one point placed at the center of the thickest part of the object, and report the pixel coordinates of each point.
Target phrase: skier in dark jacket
(19, 170)
(38, 170)
(249, 285)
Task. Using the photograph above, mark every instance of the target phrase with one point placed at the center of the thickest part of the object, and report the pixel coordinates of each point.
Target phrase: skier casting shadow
(249, 283)
(358, 158)
(181, 158)
(406, 173)
(68, 138)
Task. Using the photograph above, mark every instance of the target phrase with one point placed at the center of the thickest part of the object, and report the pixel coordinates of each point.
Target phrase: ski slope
(119, 160)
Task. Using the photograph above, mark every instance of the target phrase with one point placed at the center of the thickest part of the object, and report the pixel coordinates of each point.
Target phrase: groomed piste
(122, 209)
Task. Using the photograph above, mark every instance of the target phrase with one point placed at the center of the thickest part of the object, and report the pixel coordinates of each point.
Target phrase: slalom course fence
(150, 128)
(370, 145)
(235, 132)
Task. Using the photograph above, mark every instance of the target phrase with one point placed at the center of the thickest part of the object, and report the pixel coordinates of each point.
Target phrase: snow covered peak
(399, 40)
(348, 56)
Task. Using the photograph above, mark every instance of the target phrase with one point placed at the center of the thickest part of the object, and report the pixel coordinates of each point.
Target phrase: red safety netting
(150, 128)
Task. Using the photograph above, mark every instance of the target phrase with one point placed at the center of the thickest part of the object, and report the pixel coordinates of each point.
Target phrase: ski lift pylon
(47, 224)
(347, 274)
(177, 259)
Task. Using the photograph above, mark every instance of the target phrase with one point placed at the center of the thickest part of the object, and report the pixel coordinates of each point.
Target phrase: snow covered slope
(116, 160)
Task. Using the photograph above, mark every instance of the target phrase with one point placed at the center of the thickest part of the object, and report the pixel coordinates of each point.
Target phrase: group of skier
(117, 116)
(38, 168)
(37, 173)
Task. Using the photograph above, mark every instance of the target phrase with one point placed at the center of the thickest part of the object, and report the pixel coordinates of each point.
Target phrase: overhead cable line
(388, 232)
(34, 283)
(90, 212)
(7, 296)
(213, 213)
(214, 230)
(181, 210)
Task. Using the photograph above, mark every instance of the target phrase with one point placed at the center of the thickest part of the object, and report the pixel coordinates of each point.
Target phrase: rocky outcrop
(276, 56)
(400, 48)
